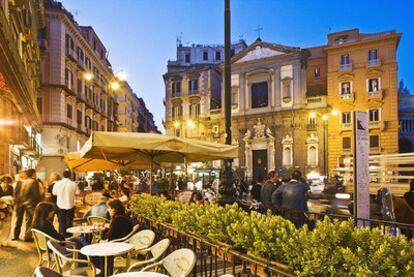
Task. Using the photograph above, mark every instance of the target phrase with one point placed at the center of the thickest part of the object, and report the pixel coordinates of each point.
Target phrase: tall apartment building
(21, 24)
(76, 94)
(362, 76)
(127, 109)
(146, 123)
(291, 107)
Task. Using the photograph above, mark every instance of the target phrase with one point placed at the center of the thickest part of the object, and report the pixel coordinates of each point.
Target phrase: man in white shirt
(65, 191)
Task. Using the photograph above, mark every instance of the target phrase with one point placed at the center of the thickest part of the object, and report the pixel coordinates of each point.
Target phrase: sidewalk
(18, 262)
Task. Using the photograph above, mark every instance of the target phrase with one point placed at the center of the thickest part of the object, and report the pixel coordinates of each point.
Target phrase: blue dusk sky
(141, 34)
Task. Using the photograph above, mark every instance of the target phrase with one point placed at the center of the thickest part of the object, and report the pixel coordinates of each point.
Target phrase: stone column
(276, 87)
(242, 89)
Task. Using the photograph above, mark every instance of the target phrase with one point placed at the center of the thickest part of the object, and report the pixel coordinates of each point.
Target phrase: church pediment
(261, 50)
(259, 53)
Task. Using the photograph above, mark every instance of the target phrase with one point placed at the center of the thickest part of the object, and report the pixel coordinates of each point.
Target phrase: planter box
(261, 269)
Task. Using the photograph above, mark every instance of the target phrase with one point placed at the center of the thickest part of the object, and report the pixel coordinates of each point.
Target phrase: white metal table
(105, 250)
(139, 274)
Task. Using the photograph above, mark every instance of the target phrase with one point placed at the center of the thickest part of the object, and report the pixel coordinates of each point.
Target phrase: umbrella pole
(151, 176)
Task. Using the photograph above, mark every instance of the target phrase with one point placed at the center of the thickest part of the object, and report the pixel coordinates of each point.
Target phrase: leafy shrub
(332, 248)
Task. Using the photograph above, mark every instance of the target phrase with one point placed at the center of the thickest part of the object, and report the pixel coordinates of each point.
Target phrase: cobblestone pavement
(18, 261)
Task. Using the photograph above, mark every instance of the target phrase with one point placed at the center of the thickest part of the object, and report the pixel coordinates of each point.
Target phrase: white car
(317, 187)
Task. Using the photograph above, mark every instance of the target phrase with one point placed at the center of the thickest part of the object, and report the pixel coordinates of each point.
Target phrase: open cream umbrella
(150, 149)
(78, 164)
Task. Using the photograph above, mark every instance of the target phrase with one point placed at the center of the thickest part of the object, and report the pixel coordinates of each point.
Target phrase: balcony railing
(345, 67)
(347, 96)
(193, 92)
(176, 94)
(346, 125)
(375, 94)
(375, 62)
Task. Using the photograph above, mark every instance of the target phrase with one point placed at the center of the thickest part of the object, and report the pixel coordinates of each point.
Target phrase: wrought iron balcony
(345, 67)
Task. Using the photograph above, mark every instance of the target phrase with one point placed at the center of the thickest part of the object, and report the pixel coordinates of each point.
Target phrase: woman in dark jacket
(121, 224)
(43, 218)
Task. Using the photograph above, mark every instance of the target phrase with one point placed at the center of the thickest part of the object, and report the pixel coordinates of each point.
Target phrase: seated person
(100, 208)
(121, 224)
(43, 221)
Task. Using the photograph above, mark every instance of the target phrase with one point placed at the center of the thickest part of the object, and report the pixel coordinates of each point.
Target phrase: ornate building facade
(291, 107)
(76, 96)
(21, 25)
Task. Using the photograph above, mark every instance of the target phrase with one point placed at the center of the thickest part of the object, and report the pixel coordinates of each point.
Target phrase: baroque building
(21, 31)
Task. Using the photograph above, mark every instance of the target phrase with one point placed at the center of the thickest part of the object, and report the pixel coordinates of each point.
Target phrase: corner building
(362, 76)
(76, 97)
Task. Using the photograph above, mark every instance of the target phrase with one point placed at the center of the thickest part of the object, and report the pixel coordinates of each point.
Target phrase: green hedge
(331, 249)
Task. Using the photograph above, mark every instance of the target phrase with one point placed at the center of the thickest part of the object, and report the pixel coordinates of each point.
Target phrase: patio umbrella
(78, 164)
(153, 149)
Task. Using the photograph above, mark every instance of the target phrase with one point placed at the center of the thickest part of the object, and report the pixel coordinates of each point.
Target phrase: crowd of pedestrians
(34, 204)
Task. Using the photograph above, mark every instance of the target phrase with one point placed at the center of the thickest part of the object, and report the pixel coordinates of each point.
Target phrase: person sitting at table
(100, 208)
(121, 224)
(43, 221)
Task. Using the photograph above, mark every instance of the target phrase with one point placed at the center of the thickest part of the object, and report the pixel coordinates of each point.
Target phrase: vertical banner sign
(361, 166)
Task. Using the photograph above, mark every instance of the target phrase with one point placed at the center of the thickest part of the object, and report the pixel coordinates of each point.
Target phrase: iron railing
(215, 259)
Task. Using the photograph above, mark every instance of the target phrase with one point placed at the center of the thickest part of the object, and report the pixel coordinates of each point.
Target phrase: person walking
(54, 177)
(267, 190)
(291, 197)
(28, 195)
(65, 191)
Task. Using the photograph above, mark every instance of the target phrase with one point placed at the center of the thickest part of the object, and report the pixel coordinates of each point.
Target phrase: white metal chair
(178, 264)
(141, 240)
(96, 220)
(41, 239)
(66, 265)
(157, 251)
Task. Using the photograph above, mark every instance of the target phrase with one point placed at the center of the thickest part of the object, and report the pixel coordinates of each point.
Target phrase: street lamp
(115, 85)
(88, 76)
